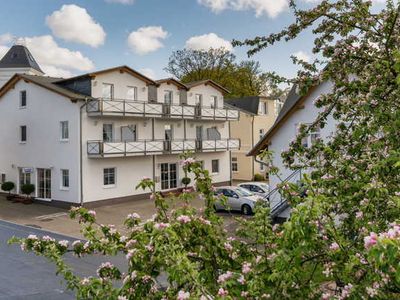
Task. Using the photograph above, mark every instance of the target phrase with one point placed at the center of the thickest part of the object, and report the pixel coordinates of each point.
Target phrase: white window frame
(112, 91)
(200, 98)
(20, 99)
(263, 108)
(62, 177)
(308, 140)
(235, 162)
(168, 92)
(3, 178)
(214, 101)
(109, 185)
(135, 93)
(21, 141)
(64, 131)
(212, 166)
(112, 133)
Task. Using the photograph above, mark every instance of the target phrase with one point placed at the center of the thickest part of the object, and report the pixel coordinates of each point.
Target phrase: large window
(198, 99)
(23, 134)
(132, 93)
(24, 177)
(3, 178)
(311, 138)
(109, 176)
(22, 99)
(64, 179)
(108, 132)
(108, 91)
(64, 130)
(235, 164)
(214, 102)
(168, 97)
(215, 166)
(263, 108)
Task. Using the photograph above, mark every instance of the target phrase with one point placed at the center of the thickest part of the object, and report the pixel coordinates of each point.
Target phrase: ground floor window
(24, 178)
(262, 167)
(234, 164)
(64, 179)
(215, 166)
(168, 176)
(3, 178)
(44, 183)
(109, 176)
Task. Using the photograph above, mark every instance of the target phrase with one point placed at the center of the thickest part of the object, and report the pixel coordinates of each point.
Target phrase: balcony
(120, 107)
(158, 147)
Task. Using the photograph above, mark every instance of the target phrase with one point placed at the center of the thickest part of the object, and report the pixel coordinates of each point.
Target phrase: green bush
(258, 177)
(7, 186)
(27, 189)
(186, 180)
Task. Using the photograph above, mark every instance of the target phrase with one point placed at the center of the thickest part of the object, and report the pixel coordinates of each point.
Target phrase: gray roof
(50, 84)
(248, 104)
(191, 84)
(19, 57)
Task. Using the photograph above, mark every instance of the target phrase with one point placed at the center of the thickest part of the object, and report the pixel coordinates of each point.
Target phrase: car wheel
(246, 209)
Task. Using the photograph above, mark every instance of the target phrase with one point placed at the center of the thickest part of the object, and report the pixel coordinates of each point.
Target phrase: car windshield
(265, 186)
(243, 192)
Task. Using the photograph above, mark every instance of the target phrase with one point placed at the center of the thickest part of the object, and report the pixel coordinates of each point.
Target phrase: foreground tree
(342, 240)
(242, 79)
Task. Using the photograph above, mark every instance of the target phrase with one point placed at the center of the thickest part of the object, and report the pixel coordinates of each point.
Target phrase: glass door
(168, 176)
(199, 137)
(167, 137)
(44, 183)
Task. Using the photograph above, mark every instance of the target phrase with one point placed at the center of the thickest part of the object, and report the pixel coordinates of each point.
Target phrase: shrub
(8, 186)
(258, 177)
(186, 180)
(27, 189)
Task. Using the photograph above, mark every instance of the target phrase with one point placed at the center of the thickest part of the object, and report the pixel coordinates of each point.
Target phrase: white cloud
(147, 39)
(73, 23)
(302, 56)
(3, 50)
(207, 41)
(56, 72)
(126, 2)
(148, 72)
(271, 8)
(6, 38)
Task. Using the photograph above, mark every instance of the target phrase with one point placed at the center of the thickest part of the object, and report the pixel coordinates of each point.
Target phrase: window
(168, 95)
(215, 166)
(278, 106)
(234, 164)
(109, 176)
(22, 99)
(107, 132)
(128, 133)
(198, 99)
(263, 108)
(311, 138)
(3, 178)
(132, 93)
(23, 134)
(108, 91)
(262, 167)
(214, 102)
(261, 133)
(24, 177)
(255, 189)
(64, 179)
(64, 130)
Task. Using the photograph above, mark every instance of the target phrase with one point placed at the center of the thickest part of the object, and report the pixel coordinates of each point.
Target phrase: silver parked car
(258, 188)
(238, 199)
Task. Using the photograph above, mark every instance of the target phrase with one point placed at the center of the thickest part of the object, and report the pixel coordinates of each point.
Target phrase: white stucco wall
(43, 149)
(288, 131)
(168, 87)
(7, 73)
(207, 91)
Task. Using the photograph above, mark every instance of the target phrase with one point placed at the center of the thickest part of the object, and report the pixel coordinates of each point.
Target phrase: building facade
(94, 137)
(257, 115)
(297, 110)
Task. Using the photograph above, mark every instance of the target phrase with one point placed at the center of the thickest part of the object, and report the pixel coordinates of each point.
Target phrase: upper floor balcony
(121, 107)
(158, 147)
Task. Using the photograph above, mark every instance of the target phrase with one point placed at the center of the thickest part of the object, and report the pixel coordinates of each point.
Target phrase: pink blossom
(122, 298)
(64, 243)
(370, 240)
(228, 247)
(182, 295)
(134, 216)
(222, 292)
(130, 254)
(244, 294)
(359, 214)
(183, 219)
(32, 237)
(161, 225)
(246, 268)
(152, 197)
(204, 221)
(85, 281)
(241, 279)
(224, 277)
(334, 246)
(144, 178)
(92, 213)
(130, 243)
(76, 243)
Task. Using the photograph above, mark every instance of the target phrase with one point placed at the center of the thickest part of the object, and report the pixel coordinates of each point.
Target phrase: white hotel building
(93, 137)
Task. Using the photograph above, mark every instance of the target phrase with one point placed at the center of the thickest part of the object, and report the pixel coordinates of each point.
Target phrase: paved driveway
(27, 276)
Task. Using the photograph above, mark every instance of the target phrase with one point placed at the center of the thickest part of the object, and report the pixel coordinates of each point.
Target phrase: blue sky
(102, 33)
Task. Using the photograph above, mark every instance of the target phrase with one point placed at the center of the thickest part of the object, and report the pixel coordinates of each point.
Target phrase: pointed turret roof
(19, 57)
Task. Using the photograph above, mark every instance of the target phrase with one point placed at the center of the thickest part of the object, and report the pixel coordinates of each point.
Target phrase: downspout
(252, 145)
(230, 155)
(81, 152)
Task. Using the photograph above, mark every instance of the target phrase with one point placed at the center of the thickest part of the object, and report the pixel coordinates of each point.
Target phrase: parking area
(56, 219)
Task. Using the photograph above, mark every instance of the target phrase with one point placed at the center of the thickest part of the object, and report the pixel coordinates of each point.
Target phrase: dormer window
(108, 91)
(132, 93)
(199, 99)
(263, 108)
(22, 99)
(214, 101)
(168, 97)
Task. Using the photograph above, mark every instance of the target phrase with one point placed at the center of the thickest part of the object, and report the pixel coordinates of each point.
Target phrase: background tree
(241, 78)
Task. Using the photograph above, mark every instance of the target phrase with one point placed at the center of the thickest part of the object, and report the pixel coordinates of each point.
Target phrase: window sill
(22, 142)
(64, 140)
(214, 173)
(111, 186)
(22, 107)
(66, 189)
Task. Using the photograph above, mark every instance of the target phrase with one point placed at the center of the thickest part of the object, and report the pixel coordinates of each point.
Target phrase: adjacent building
(296, 110)
(257, 115)
(95, 136)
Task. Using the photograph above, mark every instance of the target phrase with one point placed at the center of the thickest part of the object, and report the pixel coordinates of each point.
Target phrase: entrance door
(44, 183)
(168, 176)
(167, 137)
(199, 137)
(24, 178)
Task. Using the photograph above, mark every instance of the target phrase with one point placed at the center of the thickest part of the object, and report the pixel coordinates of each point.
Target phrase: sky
(75, 37)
